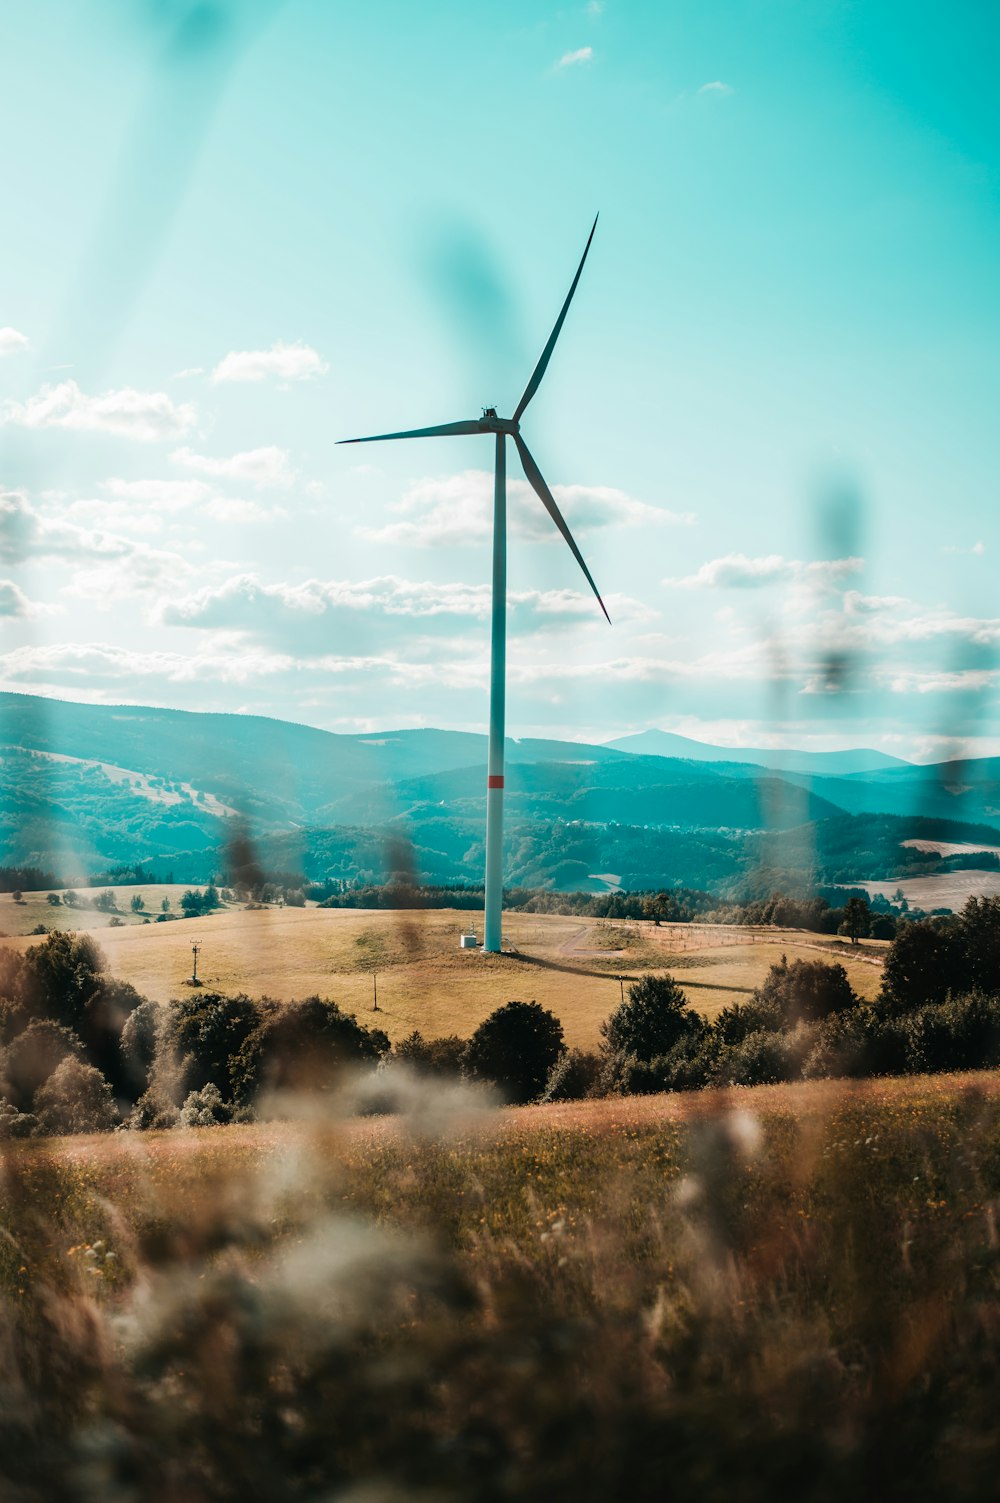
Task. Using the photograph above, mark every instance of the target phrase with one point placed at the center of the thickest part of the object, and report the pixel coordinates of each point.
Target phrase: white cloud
(287, 362)
(570, 59)
(244, 604)
(148, 416)
(191, 370)
(11, 341)
(106, 566)
(14, 604)
(459, 509)
(961, 680)
(735, 571)
(717, 87)
(25, 533)
(259, 467)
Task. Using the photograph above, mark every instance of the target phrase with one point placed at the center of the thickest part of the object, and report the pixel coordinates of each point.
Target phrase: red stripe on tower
(494, 780)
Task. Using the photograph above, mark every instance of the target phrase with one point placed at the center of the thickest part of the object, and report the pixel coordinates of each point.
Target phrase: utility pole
(375, 991)
(194, 965)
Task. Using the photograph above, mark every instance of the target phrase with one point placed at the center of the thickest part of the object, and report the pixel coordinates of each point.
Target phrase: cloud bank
(148, 416)
(285, 362)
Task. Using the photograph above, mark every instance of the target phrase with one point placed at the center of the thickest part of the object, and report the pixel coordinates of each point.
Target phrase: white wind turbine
(504, 428)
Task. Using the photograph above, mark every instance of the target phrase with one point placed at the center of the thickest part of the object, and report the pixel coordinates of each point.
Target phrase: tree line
(82, 1052)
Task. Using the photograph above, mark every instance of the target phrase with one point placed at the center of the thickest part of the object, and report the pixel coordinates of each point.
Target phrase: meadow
(743, 1295)
(425, 981)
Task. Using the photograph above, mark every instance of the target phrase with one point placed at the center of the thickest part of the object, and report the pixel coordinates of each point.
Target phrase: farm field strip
(947, 890)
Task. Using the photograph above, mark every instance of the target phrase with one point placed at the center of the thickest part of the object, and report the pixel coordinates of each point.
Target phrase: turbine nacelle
(490, 423)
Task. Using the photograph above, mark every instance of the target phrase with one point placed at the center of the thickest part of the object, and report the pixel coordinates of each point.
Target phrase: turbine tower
(502, 429)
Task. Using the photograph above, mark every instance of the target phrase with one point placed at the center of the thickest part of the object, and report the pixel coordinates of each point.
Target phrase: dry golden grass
(21, 918)
(426, 982)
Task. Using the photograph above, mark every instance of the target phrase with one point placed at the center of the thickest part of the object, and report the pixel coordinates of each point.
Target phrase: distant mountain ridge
(654, 743)
(84, 787)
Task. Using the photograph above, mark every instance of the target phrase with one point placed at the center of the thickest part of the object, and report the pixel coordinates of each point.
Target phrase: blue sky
(236, 233)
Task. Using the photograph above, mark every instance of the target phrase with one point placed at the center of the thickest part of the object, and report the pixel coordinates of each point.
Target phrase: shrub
(924, 962)
(302, 1046)
(75, 1098)
(15, 1124)
(961, 1034)
(760, 1059)
(574, 1076)
(204, 1108)
(138, 1044)
(59, 977)
(438, 1058)
(33, 1056)
(865, 1041)
(514, 1049)
(979, 939)
(653, 1017)
(691, 1063)
(100, 1027)
(806, 990)
(206, 1033)
(760, 1015)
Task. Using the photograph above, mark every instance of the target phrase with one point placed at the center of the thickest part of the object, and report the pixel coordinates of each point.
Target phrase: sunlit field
(425, 981)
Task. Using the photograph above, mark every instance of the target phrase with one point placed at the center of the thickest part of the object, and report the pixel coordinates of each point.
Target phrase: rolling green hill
(84, 788)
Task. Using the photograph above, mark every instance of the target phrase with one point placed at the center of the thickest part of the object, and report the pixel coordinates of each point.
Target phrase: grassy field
(425, 981)
(791, 1291)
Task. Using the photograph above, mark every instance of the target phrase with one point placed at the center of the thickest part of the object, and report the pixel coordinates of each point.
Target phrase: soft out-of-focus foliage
(796, 1297)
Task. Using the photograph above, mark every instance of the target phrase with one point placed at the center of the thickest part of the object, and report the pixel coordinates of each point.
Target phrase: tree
(75, 1098)
(54, 900)
(806, 991)
(17, 895)
(922, 965)
(207, 1032)
(60, 976)
(515, 1049)
(138, 903)
(32, 1057)
(979, 938)
(439, 1058)
(857, 919)
(574, 1075)
(654, 1015)
(164, 905)
(303, 1046)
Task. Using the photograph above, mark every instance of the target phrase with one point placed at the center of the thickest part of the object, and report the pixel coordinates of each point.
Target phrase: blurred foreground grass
(790, 1291)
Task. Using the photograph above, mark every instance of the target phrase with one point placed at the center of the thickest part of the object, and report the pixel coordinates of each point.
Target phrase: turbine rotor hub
(491, 423)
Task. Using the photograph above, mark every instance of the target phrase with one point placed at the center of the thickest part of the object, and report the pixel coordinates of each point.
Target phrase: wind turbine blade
(546, 355)
(443, 430)
(537, 483)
